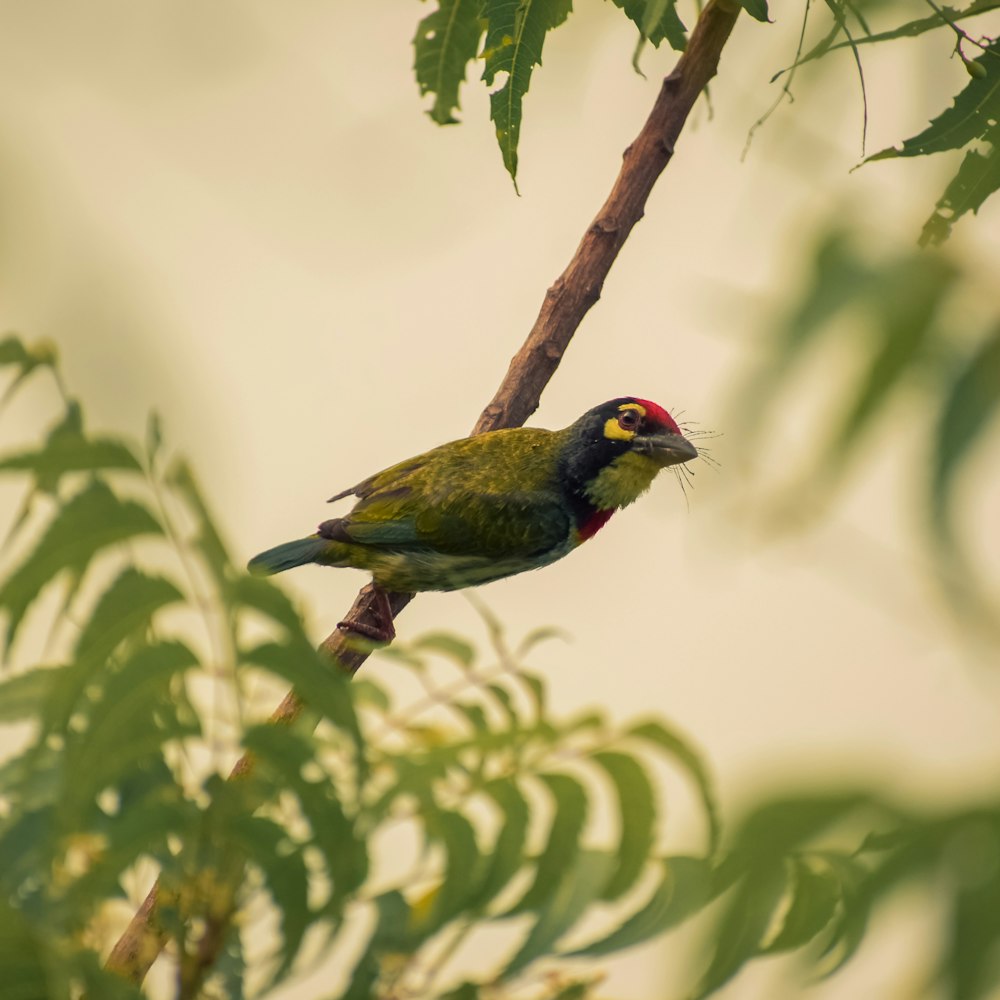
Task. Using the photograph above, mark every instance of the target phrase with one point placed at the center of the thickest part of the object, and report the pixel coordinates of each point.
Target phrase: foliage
(492, 792)
(906, 313)
(508, 36)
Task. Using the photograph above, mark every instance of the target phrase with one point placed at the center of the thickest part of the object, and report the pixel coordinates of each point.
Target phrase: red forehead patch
(658, 415)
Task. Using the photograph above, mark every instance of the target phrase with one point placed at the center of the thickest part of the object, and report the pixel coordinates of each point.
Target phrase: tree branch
(566, 303)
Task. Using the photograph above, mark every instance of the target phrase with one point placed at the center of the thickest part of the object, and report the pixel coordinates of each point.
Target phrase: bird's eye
(629, 420)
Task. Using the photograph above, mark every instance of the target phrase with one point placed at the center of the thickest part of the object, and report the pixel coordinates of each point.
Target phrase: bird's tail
(289, 555)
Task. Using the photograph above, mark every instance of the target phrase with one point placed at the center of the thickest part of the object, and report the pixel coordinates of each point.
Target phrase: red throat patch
(594, 522)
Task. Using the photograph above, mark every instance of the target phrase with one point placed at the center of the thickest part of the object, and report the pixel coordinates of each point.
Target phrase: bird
(487, 507)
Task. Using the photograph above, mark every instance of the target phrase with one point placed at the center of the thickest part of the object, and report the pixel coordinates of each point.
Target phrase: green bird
(482, 508)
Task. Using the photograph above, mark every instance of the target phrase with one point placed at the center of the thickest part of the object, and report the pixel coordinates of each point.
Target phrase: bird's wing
(516, 524)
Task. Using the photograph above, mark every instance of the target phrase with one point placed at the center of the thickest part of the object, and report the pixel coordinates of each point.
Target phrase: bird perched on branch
(482, 508)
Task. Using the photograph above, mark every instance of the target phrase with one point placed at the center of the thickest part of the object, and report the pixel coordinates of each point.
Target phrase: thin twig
(565, 304)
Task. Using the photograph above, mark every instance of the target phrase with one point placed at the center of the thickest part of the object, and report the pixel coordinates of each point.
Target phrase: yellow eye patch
(613, 429)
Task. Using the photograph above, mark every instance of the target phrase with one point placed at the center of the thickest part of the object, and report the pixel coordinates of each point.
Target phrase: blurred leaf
(127, 606)
(67, 449)
(578, 887)
(739, 934)
(637, 812)
(390, 935)
(288, 754)
(515, 35)
(22, 956)
(971, 404)
(506, 858)
(91, 521)
(208, 540)
(22, 697)
(684, 889)
(569, 802)
(973, 115)
(445, 644)
(445, 42)
(262, 595)
(815, 897)
(680, 751)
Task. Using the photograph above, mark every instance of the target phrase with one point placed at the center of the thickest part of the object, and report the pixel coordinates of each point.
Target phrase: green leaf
(445, 644)
(209, 542)
(126, 607)
(816, 895)
(507, 857)
(22, 956)
(742, 928)
(91, 521)
(263, 596)
(578, 887)
(679, 750)
(458, 838)
(563, 846)
(515, 35)
(684, 889)
(67, 449)
(656, 20)
(23, 696)
(445, 42)
(970, 405)
(637, 811)
(757, 9)
(977, 178)
(974, 115)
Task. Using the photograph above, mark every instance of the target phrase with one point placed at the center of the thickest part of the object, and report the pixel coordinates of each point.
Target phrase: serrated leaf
(744, 923)
(578, 887)
(22, 697)
(67, 449)
(570, 805)
(974, 115)
(445, 42)
(972, 402)
(288, 753)
(815, 898)
(506, 858)
(126, 606)
(637, 812)
(181, 478)
(678, 749)
(684, 889)
(91, 521)
(458, 838)
(515, 35)
(656, 20)
(977, 178)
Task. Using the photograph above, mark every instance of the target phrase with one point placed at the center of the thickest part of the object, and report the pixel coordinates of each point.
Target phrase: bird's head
(614, 451)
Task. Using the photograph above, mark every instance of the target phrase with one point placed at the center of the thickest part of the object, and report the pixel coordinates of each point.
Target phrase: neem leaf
(126, 606)
(91, 521)
(23, 957)
(676, 747)
(637, 809)
(22, 696)
(971, 404)
(578, 887)
(974, 114)
(569, 815)
(757, 9)
(68, 449)
(445, 42)
(208, 540)
(507, 857)
(977, 178)
(684, 889)
(656, 20)
(515, 35)
(816, 895)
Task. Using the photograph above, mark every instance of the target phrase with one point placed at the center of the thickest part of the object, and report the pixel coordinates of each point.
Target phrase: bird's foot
(382, 630)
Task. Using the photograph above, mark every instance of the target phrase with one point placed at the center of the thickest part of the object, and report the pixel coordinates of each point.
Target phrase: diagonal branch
(566, 303)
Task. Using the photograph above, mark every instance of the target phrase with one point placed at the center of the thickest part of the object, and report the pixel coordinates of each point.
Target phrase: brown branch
(566, 303)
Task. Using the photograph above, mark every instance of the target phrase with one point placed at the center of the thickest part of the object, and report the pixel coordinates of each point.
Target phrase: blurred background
(238, 215)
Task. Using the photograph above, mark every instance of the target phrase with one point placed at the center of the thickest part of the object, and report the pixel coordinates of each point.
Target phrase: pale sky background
(237, 214)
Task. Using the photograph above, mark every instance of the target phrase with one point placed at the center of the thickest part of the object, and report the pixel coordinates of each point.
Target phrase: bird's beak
(666, 448)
